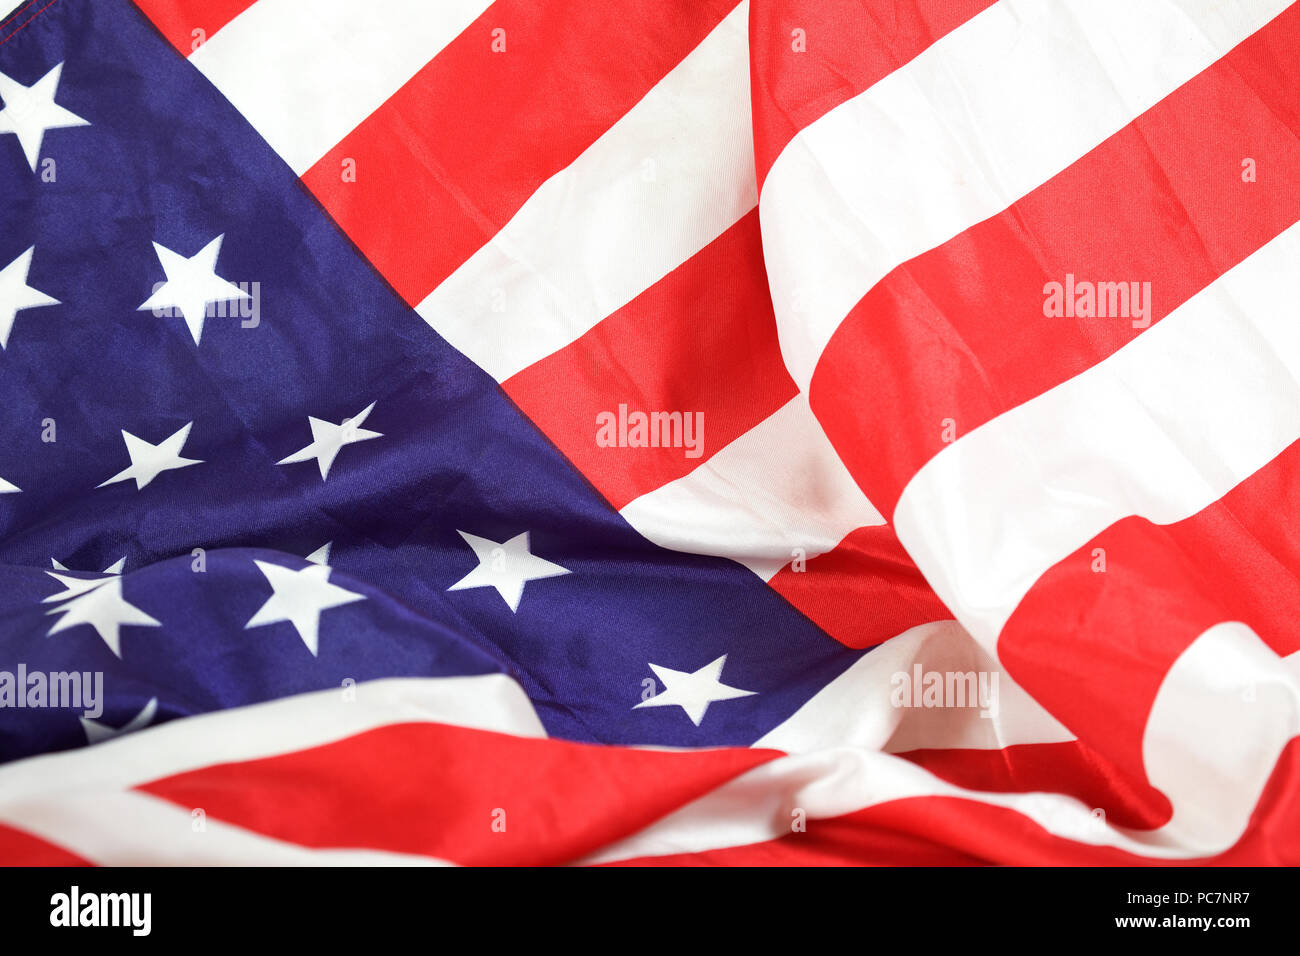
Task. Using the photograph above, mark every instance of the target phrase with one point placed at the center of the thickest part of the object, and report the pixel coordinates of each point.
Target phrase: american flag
(649, 431)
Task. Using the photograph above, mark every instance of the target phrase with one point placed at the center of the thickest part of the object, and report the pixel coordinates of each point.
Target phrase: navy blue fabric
(166, 158)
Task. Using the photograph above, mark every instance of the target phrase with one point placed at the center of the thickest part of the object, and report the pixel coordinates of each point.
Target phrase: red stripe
(864, 591)
(435, 790)
(959, 332)
(1069, 767)
(1162, 587)
(701, 340)
(178, 19)
(857, 839)
(20, 848)
(848, 46)
(450, 158)
(948, 831)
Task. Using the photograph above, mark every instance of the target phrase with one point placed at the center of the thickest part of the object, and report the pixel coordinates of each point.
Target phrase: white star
(191, 284)
(74, 586)
(693, 692)
(149, 461)
(99, 603)
(114, 568)
(30, 110)
(321, 555)
(506, 567)
(16, 294)
(97, 731)
(299, 597)
(8, 487)
(327, 439)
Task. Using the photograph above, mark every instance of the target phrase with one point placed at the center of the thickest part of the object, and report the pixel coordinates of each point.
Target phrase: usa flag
(649, 431)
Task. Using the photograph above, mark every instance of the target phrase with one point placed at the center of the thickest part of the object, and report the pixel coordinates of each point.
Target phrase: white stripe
(981, 118)
(1220, 721)
(138, 829)
(857, 709)
(776, 488)
(306, 74)
(1160, 429)
(490, 702)
(665, 180)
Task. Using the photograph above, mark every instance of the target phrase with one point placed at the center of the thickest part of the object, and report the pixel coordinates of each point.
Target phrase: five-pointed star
(191, 284)
(321, 555)
(506, 567)
(97, 730)
(693, 692)
(327, 439)
(75, 586)
(149, 461)
(16, 294)
(299, 597)
(99, 603)
(8, 487)
(114, 568)
(30, 110)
